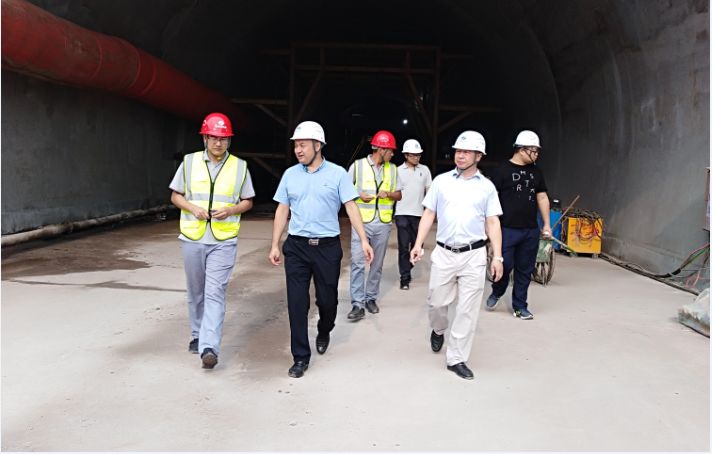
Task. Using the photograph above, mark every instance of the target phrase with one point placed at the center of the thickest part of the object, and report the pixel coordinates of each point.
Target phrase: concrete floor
(94, 338)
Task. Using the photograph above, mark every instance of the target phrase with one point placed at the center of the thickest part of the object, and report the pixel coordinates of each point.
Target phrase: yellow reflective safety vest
(202, 191)
(365, 180)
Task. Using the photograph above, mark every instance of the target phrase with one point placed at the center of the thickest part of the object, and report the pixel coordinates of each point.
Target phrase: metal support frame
(296, 106)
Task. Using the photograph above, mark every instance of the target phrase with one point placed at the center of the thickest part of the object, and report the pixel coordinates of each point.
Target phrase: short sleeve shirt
(178, 185)
(518, 186)
(415, 181)
(314, 198)
(462, 206)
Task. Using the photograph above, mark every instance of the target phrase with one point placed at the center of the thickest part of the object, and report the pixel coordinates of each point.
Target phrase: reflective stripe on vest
(200, 190)
(365, 178)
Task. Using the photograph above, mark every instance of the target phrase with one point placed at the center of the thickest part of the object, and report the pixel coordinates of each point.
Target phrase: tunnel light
(405, 121)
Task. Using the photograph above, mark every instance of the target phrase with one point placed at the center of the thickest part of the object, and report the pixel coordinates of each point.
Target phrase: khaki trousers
(461, 277)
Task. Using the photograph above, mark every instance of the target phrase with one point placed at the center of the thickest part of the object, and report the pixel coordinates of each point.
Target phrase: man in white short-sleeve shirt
(415, 179)
(467, 208)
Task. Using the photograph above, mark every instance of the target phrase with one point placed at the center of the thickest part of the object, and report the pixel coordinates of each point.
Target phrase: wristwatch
(499, 259)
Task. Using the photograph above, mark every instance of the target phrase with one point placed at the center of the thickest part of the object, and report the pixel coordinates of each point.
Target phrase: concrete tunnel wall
(618, 90)
(633, 84)
(70, 154)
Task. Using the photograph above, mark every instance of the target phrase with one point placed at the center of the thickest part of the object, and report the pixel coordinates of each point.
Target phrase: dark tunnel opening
(365, 88)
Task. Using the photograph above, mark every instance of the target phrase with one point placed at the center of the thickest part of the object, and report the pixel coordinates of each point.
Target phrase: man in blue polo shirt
(313, 191)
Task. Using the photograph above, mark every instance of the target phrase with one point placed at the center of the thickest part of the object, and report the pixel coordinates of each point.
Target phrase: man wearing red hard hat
(377, 184)
(212, 188)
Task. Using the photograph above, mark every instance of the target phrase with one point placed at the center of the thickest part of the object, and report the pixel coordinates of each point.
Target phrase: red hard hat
(384, 139)
(217, 124)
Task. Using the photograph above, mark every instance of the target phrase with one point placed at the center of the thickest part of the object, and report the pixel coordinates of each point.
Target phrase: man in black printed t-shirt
(522, 191)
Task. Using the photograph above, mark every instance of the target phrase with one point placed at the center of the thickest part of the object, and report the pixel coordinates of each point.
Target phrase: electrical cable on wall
(690, 278)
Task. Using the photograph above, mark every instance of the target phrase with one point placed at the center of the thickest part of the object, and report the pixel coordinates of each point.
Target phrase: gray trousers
(207, 271)
(363, 289)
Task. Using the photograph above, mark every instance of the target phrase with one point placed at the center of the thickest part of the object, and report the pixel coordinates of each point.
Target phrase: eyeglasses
(218, 139)
(532, 150)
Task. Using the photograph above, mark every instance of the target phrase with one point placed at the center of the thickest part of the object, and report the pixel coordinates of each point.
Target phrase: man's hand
(546, 232)
(200, 213)
(367, 251)
(416, 254)
(220, 213)
(496, 270)
(383, 194)
(365, 197)
(275, 256)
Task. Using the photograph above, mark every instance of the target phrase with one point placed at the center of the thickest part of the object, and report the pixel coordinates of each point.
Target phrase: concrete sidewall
(71, 154)
(635, 122)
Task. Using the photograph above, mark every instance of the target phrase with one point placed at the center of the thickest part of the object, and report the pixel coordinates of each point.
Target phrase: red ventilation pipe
(38, 44)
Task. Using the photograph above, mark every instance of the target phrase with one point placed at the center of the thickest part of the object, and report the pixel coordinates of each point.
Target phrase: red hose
(38, 44)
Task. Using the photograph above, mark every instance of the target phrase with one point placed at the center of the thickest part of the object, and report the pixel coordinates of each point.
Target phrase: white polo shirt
(415, 181)
(461, 206)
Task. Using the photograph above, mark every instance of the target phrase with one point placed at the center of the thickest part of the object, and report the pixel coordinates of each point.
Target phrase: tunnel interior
(618, 92)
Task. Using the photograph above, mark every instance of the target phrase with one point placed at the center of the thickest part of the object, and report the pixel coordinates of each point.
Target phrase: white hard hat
(412, 146)
(527, 139)
(309, 130)
(471, 141)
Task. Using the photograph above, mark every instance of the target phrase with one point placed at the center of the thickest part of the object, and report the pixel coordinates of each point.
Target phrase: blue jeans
(519, 247)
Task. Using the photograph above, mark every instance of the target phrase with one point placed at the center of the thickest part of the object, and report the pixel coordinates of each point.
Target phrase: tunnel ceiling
(219, 42)
(524, 58)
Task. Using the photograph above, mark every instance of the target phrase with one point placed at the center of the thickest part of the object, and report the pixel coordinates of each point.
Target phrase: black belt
(469, 247)
(315, 241)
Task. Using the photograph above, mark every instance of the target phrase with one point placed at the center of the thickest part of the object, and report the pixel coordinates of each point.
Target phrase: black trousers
(302, 261)
(407, 232)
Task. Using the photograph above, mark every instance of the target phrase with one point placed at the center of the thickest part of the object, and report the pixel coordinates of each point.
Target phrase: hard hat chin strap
(205, 142)
(461, 171)
(314, 142)
(529, 155)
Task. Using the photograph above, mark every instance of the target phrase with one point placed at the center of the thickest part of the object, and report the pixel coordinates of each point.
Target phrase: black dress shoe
(193, 346)
(209, 357)
(436, 341)
(462, 371)
(322, 343)
(405, 285)
(298, 368)
(372, 307)
(356, 314)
